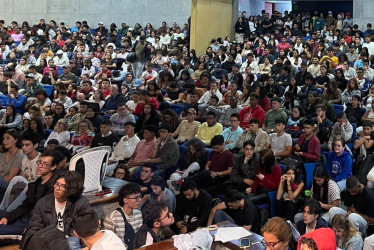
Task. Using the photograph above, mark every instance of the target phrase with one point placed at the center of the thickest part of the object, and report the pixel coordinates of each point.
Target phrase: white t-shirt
(28, 169)
(279, 143)
(109, 241)
(60, 209)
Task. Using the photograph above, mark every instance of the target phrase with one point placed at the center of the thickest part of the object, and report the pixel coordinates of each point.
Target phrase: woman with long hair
(189, 164)
(294, 125)
(170, 117)
(161, 193)
(324, 190)
(352, 89)
(244, 97)
(153, 89)
(289, 194)
(10, 118)
(339, 164)
(122, 172)
(340, 79)
(36, 129)
(332, 93)
(166, 78)
(277, 234)
(147, 117)
(11, 157)
(98, 97)
(347, 236)
(267, 179)
(293, 87)
(224, 84)
(290, 101)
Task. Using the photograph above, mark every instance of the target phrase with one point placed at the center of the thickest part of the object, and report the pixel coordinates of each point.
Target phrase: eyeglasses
(270, 245)
(44, 164)
(59, 186)
(120, 173)
(137, 198)
(167, 216)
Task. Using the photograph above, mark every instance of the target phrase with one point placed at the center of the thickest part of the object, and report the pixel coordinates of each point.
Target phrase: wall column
(210, 19)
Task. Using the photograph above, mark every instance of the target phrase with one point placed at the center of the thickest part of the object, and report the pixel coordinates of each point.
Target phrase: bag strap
(123, 214)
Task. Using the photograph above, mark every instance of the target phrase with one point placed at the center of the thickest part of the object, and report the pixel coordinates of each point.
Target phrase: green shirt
(271, 116)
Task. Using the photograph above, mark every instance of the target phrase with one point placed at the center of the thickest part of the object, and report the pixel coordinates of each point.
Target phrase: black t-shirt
(322, 79)
(47, 80)
(147, 185)
(246, 216)
(363, 203)
(267, 22)
(304, 146)
(3, 88)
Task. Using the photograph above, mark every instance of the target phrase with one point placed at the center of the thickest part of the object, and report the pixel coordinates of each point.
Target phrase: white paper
(231, 233)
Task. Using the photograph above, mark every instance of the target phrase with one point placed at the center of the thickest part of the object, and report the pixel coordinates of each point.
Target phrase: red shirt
(106, 92)
(140, 106)
(285, 46)
(246, 114)
(270, 181)
(221, 161)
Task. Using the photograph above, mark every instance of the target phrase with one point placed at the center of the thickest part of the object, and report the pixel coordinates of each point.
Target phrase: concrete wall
(254, 7)
(94, 11)
(363, 13)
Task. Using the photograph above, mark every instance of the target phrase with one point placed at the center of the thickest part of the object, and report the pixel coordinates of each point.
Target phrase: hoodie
(339, 167)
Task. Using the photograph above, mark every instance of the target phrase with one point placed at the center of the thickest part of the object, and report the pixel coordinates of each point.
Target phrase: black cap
(167, 127)
(151, 128)
(130, 123)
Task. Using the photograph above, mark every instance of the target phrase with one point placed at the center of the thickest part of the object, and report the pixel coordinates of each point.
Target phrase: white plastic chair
(94, 166)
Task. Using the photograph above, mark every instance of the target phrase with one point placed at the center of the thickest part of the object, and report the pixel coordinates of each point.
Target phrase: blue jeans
(221, 216)
(5, 204)
(357, 220)
(137, 68)
(341, 184)
(3, 183)
(15, 228)
(74, 243)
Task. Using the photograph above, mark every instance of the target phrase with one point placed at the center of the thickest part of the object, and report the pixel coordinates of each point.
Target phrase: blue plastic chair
(272, 205)
(309, 169)
(60, 71)
(283, 167)
(47, 132)
(48, 89)
(338, 108)
(4, 100)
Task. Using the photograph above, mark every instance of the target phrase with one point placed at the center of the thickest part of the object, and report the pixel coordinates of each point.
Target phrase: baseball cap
(330, 12)
(101, 23)
(30, 75)
(60, 52)
(191, 110)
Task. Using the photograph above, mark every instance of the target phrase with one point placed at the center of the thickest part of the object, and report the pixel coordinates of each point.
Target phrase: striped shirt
(114, 221)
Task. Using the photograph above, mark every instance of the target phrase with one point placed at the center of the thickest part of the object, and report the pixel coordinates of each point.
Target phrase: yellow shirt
(206, 133)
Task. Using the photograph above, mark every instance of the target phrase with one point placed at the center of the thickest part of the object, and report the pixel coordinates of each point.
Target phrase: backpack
(263, 216)
(48, 238)
(129, 232)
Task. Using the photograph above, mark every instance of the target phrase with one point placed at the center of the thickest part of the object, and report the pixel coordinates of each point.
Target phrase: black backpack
(48, 238)
(129, 232)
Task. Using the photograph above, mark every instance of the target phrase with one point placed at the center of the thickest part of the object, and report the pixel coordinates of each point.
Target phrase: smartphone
(244, 243)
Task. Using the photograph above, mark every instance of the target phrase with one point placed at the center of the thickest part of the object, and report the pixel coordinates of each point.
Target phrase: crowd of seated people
(210, 136)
